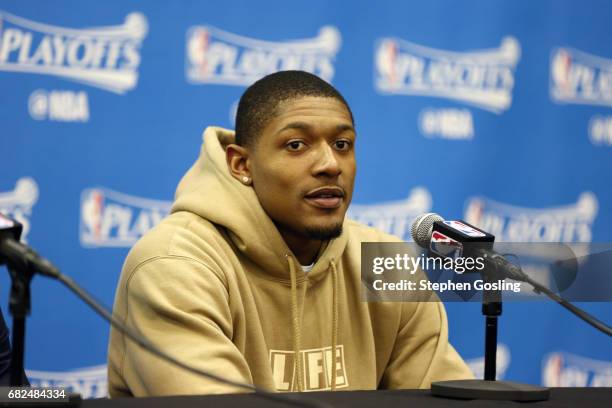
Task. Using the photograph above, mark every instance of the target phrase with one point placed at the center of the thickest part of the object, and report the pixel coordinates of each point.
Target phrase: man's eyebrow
(307, 127)
(295, 125)
(343, 127)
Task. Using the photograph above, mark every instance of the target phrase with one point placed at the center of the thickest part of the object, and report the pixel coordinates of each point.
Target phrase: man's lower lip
(331, 202)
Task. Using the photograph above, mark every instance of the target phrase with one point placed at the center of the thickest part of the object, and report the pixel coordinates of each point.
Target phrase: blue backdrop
(496, 112)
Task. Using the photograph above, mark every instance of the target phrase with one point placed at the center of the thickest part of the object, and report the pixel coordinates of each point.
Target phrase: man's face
(303, 167)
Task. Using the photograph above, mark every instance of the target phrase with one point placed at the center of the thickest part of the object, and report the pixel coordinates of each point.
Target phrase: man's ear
(237, 158)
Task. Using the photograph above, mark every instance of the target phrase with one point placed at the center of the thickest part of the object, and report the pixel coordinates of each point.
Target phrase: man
(255, 275)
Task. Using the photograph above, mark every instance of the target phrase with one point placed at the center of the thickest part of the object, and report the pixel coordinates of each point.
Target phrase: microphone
(13, 252)
(457, 238)
(422, 228)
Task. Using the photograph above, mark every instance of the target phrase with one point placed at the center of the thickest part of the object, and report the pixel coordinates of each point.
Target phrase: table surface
(560, 397)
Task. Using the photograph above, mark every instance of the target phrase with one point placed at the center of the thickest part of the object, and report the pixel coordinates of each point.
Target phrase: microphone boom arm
(512, 271)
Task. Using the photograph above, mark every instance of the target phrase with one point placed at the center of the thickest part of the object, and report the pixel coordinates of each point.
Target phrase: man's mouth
(325, 197)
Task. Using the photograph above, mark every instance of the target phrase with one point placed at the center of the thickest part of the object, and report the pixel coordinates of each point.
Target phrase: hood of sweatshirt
(209, 190)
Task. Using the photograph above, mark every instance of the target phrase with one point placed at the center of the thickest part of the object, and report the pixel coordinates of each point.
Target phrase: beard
(324, 233)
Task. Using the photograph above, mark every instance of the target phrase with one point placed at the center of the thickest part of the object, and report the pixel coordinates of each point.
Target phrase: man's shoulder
(363, 233)
(181, 235)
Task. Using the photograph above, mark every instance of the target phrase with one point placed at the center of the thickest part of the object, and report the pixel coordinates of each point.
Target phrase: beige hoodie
(215, 285)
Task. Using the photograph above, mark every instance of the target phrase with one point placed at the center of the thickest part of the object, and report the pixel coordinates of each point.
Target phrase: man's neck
(305, 249)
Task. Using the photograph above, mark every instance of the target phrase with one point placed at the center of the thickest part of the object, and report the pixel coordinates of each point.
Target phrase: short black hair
(259, 103)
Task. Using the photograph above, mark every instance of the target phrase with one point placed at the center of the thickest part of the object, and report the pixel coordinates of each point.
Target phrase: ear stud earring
(246, 180)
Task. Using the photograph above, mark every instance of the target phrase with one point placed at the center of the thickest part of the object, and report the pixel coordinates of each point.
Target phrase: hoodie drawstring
(334, 323)
(297, 335)
(297, 340)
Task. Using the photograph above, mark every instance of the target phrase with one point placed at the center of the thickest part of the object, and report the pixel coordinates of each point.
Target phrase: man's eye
(342, 144)
(295, 145)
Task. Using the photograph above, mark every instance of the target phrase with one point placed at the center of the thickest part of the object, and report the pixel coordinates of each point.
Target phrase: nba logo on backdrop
(393, 217)
(483, 78)
(18, 203)
(104, 57)
(113, 219)
(579, 77)
(215, 56)
(570, 223)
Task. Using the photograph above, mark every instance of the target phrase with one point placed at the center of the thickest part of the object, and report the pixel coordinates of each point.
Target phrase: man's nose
(326, 162)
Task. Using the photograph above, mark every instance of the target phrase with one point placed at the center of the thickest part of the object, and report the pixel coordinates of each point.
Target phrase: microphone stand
(19, 307)
(491, 309)
(490, 388)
